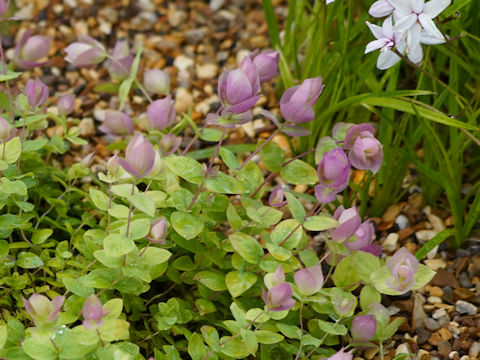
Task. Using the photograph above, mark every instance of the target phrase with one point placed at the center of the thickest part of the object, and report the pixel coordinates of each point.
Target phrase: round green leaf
(320, 223)
(247, 247)
(28, 260)
(118, 245)
(239, 282)
(186, 224)
(299, 172)
(214, 280)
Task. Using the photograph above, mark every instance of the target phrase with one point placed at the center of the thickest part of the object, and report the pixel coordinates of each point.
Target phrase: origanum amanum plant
(161, 255)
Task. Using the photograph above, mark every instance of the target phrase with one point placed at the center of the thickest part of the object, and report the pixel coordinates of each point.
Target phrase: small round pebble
(464, 280)
(431, 324)
(402, 222)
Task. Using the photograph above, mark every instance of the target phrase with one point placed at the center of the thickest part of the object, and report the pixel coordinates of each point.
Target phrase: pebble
(370, 353)
(215, 5)
(444, 348)
(434, 291)
(424, 235)
(182, 62)
(464, 280)
(422, 335)
(390, 243)
(418, 313)
(464, 307)
(444, 278)
(431, 324)
(434, 300)
(440, 313)
(421, 353)
(474, 349)
(454, 355)
(436, 264)
(434, 339)
(87, 128)
(207, 71)
(403, 349)
(402, 222)
(177, 17)
(462, 253)
(183, 100)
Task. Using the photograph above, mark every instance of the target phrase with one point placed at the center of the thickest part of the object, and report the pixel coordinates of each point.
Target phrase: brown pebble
(444, 278)
(462, 294)
(391, 213)
(445, 334)
(444, 348)
(434, 339)
(434, 291)
(405, 233)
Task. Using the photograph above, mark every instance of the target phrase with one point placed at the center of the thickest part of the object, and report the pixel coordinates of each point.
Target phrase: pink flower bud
(277, 197)
(158, 231)
(169, 143)
(344, 303)
(30, 49)
(278, 277)
(341, 355)
(309, 280)
(279, 297)
(139, 157)
(367, 153)
(362, 238)
(161, 113)
(381, 8)
(333, 175)
(364, 327)
(93, 313)
(296, 103)
(116, 123)
(66, 104)
(4, 129)
(43, 312)
(402, 267)
(348, 222)
(156, 81)
(4, 6)
(85, 52)
(267, 64)
(113, 167)
(238, 89)
(354, 131)
(119, 68)
(36, 91)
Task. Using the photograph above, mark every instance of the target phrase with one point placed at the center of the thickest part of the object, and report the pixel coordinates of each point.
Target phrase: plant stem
(258, 149)
(301, 334)
(130, 209)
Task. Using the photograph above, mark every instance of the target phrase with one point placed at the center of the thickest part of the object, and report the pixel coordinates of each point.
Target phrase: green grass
(433, 107)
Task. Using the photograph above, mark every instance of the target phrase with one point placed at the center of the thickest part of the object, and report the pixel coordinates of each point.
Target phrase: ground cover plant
(156, 254)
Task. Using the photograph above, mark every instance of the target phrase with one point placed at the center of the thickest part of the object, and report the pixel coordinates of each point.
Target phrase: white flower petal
(401, 5)
(435, 7)
(431, 40)
(413, 35)
(429, 26)
(387, 60)
(388, 27)
(380, 9)
(417, 5)
(376, 30)
(415, 54)
(375, 45)
(405, 23)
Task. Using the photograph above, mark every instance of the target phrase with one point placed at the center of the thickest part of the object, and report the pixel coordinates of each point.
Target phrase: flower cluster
(409, 25)
(364, 153)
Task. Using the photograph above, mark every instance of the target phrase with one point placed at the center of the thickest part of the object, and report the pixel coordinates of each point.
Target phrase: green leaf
(34, 145)
(268, 337)
(234, 348)
(214, 280)
(11, 150)
(139, 228)
(10, 75)
(287, 232)
(296, 207)
(279, 252)
(115, 307)
(124, 90)
(99, 199)
(196, 347)
(378, 279)
(3, 335)
(333, 329)
(433, 242)
(410, 106)
(365, 264)
(119, 211)
(185, 167)
(77, 287)
(224, 184)
(320, 222)
(264, 215)
(290, 331)
(186, 225)
(4, 248)
(210, 336)
(144, 203)
(272, 156)
(234, 220)
(118, 245)
(39, 347)
(423, 276)
(239, 282)
(123, 190)
(211, 135)
(155, 256)
(299, 172)
(345, 275)
(114, 330)
(368, 295)
(247, 247)
(12, 187)
(28, 260)
(229, 158)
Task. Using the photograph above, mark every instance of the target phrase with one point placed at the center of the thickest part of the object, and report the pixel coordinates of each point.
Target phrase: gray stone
(464, 280)
(464, 307)
(431, 324)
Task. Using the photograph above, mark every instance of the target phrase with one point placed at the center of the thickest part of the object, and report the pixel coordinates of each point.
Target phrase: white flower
(381, 8)
(408, 12)
(387, 39)
(329, 1)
